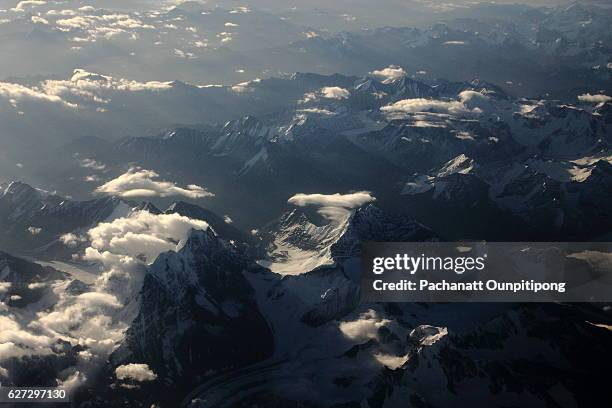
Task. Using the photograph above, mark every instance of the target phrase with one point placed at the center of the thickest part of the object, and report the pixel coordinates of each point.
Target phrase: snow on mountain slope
(309, 331)
(385, 132)
(550, 195)
(77, 324)
(196, 307)
(32, 218)
(330, 350)
(24, 282)
(297, 245)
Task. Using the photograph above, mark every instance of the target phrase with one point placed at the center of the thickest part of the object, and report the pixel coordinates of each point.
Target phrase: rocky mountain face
(24, 282)
(443, 161)
(486, 122)
(218, 224)
(218, 326)
(31, 218)
(494, 361)
(388, 354)
(555, 199)
(196, 308)
(462, 145)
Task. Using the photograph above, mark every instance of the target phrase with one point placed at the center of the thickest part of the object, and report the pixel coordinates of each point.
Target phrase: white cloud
(389, 74)
(317, 111)
(241, 10)
(16, 93)
(97, 320)
(390, 361)
(86, 316)
(467, 96)
(61, 13)
(227, 219)
(309, 97)
(454, 43)
(335, 92)
(83, 87)
(22, 5)
(4, 287)
(126, 244)
(144, 183)
(476, 101)
(351, 200)
(76, 379)
(334, 207)
(245, 86)
(121, 248)
(10, 350)
(598, 98)
(140, 235)
(183, 54)
(92, 164)
(135, 372)
(34, 230)
(74, 22)
(364, 328)
(228, 24)
(39, 20)
(72, 240)
(92, 81)
(100, 26)
(224, 36)
(406, 106)
(17, 342)
(328, 92)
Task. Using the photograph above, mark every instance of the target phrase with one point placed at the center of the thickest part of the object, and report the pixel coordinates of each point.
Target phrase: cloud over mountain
(335, 92)
(16, 93)
(466, 104)
(96, 317)
(597, 98)
(145, 183)
(389, 74)
(135, 372)
(333, 207)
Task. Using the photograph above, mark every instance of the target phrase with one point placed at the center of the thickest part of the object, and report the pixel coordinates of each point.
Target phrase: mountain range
(186, 186)
(213, 327)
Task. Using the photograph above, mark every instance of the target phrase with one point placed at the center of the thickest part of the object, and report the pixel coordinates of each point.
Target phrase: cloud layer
(135, 372)
(145, 183)
(364, 328)
(335, 92)
(598, 98)
(96, 318)
(389, 74)
(424, 105)
(142, 235)
(82, 89)
(334, 207)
